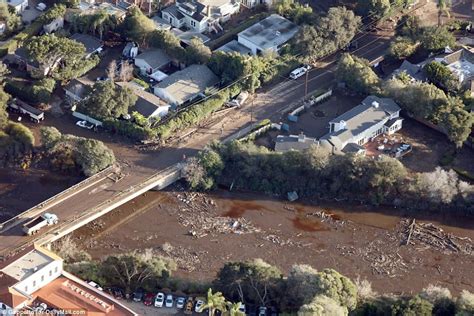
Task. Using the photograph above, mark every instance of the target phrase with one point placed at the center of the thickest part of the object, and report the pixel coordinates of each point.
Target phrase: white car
(41, 6)
(298, 72)
(262, 311)
(159, 300)
(85, 124)
(180, 302)
(169, 300)
(242, 308)
(198, 306)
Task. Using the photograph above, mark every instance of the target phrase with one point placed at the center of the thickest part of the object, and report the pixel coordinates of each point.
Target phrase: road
(136, 168)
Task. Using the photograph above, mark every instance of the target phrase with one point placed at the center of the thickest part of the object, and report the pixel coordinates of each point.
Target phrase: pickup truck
(46, 219)
(239, 100)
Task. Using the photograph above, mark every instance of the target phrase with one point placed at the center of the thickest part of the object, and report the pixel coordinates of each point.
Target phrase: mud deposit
(202, 232)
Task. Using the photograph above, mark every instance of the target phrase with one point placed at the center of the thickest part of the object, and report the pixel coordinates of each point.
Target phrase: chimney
(301, 138)
(375, 104)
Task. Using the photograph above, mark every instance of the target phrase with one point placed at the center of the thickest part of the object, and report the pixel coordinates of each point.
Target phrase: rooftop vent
(277, 33)
(375, 104)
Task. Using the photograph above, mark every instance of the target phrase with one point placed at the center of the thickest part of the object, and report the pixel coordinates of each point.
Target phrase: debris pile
(433, 236)
(284, 242)
(202, 225)
(185, 258)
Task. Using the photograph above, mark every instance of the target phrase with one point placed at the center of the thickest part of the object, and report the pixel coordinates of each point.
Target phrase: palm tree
(214, 301)
(234, 309)
(444, 7)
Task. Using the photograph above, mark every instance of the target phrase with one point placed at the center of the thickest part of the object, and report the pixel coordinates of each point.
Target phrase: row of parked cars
(188, 304)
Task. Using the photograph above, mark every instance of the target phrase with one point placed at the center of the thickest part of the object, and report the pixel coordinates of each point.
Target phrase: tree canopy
(137, 26)
(358, 75)
(197, 52)
(441, 76)
(107, 100)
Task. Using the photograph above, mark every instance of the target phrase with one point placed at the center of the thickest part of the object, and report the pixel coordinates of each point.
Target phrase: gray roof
(147, 103)
(275, 30)
(156, 58)
(188, 83)
(15, 3)
(90, 42)
(234, 46)
(353, 149)
(187, 36)
(294, 142)
(414, 71)
(160, 23)
(362, 117)
(78, 88)
(174, 11)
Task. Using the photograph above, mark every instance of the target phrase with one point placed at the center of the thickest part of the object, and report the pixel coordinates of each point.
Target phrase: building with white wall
(35, 278)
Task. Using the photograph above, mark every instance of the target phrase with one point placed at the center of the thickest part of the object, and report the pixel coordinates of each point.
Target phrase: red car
(149, 298)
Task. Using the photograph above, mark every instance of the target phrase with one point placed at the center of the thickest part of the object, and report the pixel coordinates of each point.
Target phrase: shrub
(37, 92)
(129, 129)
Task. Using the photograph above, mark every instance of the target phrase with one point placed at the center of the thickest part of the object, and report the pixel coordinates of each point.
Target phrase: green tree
(337, 287)
(402, 47)
(12, 20)
(106, 100)
(322, 305)
(436, 38)
(295, 11)
(252, 281)
(358, 75)
(456, 120)
(301, 285)
(214, 301)
(167, 41)
(3, 108)
(234, 309)
(375, 9)
(56, 11)
(441, 76)
(49, 136)
(415, 306)
(465, 304)
(96, 24)
(228, 66)
(197, 52)
(137, 26)
(21, 134)
(93, 156)
(444, 8)
(132, 270)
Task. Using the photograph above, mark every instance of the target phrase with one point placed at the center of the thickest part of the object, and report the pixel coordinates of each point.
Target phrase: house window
(360, 142)
(193, 23)
(55, 269)
(26, 288)
(34, 283)
(50, 273)
(42, 278)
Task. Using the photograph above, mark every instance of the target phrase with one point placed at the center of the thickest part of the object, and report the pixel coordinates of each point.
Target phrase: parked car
(239, 100)
(180, 302)
(117, 293)
(262, 311)
(148, 299)
(97, 286)
(138, 295)
(242, 308)
(199, 304)
(189, 306)
(159, 300)
(85, 124)
(169, 300)
(300, 71)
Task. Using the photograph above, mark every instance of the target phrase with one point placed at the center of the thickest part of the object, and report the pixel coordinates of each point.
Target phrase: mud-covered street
(203, 231)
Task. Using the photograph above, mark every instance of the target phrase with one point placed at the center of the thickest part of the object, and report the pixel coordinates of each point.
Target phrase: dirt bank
(356, 241)
(22, 189)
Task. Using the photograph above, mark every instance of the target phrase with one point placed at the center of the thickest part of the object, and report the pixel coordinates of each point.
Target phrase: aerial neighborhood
(237, 157)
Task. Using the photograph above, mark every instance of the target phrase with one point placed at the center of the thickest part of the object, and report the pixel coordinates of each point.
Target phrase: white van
(298, 72)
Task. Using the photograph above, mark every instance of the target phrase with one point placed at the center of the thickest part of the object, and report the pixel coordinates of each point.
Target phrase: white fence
(87, 118)
(311, 102)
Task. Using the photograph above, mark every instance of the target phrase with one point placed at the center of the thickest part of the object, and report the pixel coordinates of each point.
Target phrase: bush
(93, 156)
(129, 129)
(37, 92)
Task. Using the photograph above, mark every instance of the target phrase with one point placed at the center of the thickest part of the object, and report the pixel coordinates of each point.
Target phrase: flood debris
(428, 234)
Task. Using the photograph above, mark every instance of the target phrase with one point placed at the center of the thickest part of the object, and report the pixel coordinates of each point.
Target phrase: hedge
(129, 129)
(194, 114)
(32, 92)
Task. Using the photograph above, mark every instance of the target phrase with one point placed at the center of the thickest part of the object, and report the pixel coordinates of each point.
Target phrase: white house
(269, 34)
(18, 5)
(35, 276)
(54, 25)
(373, 117)
(186, 85)
(200, 16)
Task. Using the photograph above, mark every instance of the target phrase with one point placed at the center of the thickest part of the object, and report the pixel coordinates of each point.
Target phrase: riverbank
(203, 231)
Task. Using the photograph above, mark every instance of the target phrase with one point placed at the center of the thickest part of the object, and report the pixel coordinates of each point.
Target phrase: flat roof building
(268, 35)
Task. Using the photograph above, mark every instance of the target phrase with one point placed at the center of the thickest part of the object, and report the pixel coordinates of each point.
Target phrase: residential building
(148, 104)
(25, 62)
(253, 3)
(186, 36)
(90, 7)
(269, 34)
(76, 90)
(373, 117)
(18, 5)
(54, 25)
(34, 280)
(200, 16)
(235, 46)
(185, 85)
(414, 71)
(92, 44)
(151, 61)
(461, 64)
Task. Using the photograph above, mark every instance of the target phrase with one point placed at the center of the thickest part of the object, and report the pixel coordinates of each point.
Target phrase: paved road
(135, 169)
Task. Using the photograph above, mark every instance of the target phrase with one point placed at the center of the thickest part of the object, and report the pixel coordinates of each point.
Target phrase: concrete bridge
(12, 238)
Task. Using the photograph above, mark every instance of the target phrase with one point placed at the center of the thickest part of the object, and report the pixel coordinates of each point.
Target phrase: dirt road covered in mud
(203, 231)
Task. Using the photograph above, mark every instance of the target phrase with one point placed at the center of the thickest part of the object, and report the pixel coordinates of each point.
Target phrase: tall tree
(197, 52)
(137, 26)
(358, 75)
(374, 9)
(215, 301)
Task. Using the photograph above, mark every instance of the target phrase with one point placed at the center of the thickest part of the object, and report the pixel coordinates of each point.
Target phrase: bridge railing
(39, 208)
